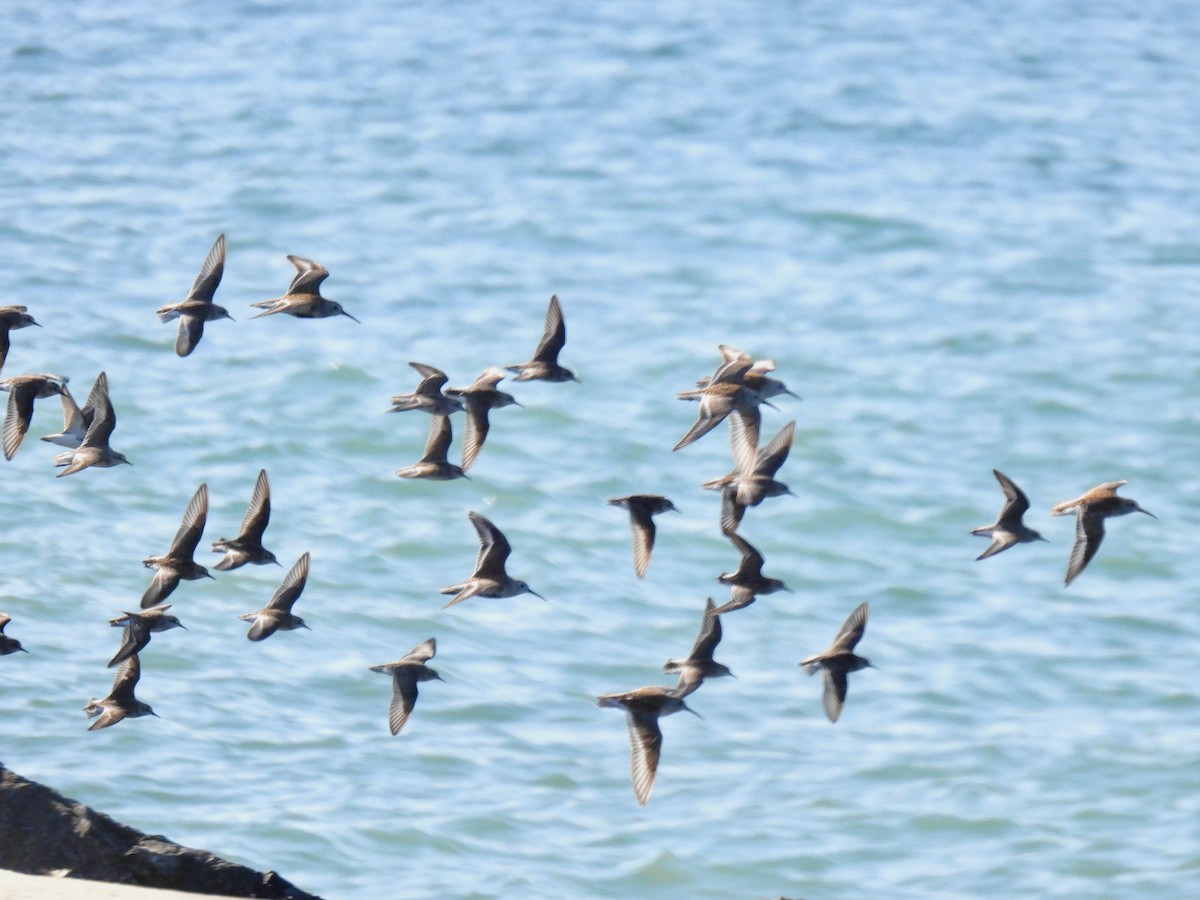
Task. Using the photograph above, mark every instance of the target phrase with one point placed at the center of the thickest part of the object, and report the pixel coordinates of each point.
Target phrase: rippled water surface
(969, 236)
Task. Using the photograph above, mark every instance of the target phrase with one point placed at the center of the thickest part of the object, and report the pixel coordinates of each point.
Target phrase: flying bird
(838, 661)
(198, 307)
(1008, 529)
(1098, 504)
(406, 672)
(303, 298)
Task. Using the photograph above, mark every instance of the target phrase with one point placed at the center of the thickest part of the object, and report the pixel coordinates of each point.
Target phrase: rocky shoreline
(44, 833)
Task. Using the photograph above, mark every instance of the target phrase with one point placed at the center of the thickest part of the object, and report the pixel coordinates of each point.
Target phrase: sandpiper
(754, 481)
(699, 663)
(756, 378)
(11, 319)
(8, 644)
(427, 396)
(22, 391)
(839, 660)
(433, 464)
(177, 563)
(478, 399)
(1091, 510)
(247, 547)
(120, 702)
(643, 708)
(1008, 529)
(727, 393)
(489, 578)
(303, 298)
(642, 507)
(748, 581)
(406, 672)
(544, 364)
(95, 450)
(198, 307)
(138, 626)
(277, 614)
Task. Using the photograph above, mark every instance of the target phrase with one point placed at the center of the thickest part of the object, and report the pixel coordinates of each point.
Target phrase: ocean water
(968, 234)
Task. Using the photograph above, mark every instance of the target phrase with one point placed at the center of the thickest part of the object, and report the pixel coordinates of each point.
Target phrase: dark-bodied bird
(643, 708)
(138, 626)
(1008, 529)
(22, 391)
(839, 660)
(277, 614)
(699, 663)
(478, 400)
(12, 318)
(748, 581)
(303, 298)
(754, 481)
(198, 307)
(434, 465)
(177, 563)
(489, 578)
(544, 364)
(247, 547)
(642, 508)
(406, 672)
(120, 702)
(95, 449)
(8, 644)
(427, 396)
(1098, 504)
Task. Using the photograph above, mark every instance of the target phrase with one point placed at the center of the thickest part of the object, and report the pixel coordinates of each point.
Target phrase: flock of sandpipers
(733, 393)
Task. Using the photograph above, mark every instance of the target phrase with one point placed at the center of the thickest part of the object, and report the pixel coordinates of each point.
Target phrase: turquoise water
(970, 237)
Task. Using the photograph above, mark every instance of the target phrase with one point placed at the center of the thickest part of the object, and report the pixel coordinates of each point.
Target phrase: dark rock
(43, 833)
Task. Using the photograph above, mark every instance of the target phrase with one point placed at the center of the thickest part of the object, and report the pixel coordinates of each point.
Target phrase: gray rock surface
(42, 833)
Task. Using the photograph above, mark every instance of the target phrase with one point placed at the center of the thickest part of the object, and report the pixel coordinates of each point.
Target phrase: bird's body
(277, 614)
(406, 673)
(642, 508)
(138, 626)
(434, 465)
(8, 644)
(198, 307)
(1091, 509)
(177, 564)
(489, 578)
(838, 661)
(95, 450)
(303, 299)
(22, 391)
(748, 581)
(725, 394)
(427, 396)
(754, 481)
(12, 318)
(699, 663)
(643, 708)
(544, 364)
(1008, 529)
(120, 702)
(480, 398)
(247, 547)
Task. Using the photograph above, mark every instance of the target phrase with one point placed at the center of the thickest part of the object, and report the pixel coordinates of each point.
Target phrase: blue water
(969, 235)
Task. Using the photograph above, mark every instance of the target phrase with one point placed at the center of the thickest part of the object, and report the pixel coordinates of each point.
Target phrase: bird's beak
(184, 627)
(1147, 512)
(692, 711)
(536, 594)
(156, 715)
(522, 405)
(770, 404)
(22, 649)
(344, 313)
(792, 394)
(304, 626)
